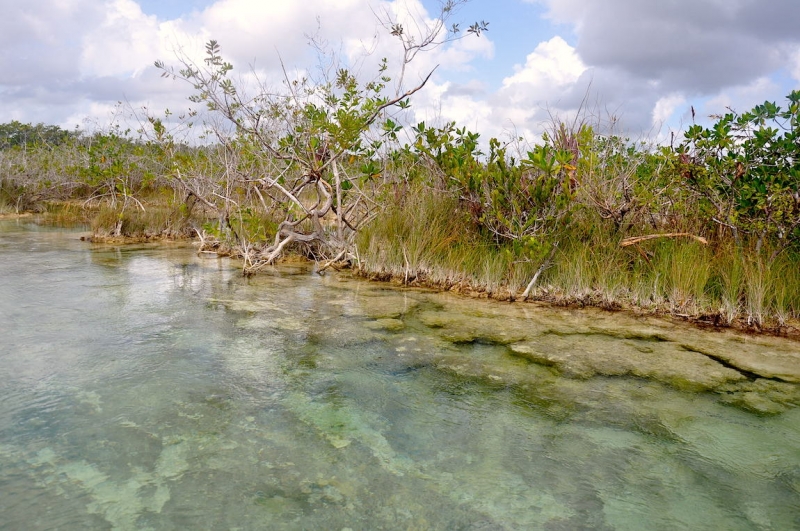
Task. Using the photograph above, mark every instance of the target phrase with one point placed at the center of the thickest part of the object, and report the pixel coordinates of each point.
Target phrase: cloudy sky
(68, 62)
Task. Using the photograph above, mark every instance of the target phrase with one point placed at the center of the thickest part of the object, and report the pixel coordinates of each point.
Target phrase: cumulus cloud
(650, 59)
(643, 62)
(63, 57)
(703, 45)
(122, 44)
(665, 107)
(552, 63)
(39, 39)
(543, 87)
(521, 106)
(794, 65)
(740, 98)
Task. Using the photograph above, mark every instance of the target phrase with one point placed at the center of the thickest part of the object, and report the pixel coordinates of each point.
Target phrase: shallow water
(144, 387)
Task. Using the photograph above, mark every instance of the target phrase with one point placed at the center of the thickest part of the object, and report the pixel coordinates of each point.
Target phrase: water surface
(146, 387)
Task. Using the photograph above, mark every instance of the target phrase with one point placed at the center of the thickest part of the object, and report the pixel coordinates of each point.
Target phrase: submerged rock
(374, 306)
(585, 356)
(764, 356)
(390, 325)
(766, 397)
(586, 343)
(459, 328)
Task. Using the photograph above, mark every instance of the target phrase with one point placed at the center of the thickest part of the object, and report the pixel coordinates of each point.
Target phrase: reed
(729, 281)
(156, 220)
(421, 237)
(688, 270)
(6, 207)
(784, 289)
(757, 284)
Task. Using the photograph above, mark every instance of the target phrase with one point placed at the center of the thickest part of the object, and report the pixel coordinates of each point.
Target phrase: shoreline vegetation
(621, 226)
(705, 229)
(707, 317)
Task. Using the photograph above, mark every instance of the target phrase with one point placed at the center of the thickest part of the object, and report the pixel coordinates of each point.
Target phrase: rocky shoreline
(759, 373)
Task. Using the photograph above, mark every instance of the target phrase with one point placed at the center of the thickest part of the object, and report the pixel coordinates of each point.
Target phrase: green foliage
(16, 134)
(515, 201)
(454, 152)
(251, 224)
(302, 126)
(746, 167)
(425, 237)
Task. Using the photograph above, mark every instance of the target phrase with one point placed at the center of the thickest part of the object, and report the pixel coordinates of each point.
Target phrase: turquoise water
(146, 387)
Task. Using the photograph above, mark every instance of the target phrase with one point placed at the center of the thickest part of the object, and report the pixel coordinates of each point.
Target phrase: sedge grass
(689, 270)
(153, 221)
(729, 269)
(6, 207)
(757, 286)
(427, 239)
(785, 282)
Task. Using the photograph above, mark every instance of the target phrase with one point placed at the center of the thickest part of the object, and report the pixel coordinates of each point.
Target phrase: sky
(639, 66)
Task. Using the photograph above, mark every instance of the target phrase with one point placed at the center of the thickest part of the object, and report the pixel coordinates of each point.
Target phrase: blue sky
(641, 65)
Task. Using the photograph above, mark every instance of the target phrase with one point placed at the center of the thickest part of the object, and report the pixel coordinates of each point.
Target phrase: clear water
(144, 387)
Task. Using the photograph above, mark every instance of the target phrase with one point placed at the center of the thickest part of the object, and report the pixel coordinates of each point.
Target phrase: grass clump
(427, 238)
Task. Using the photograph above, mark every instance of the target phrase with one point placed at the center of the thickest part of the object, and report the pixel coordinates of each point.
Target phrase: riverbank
(705, 320)
(585, 217)
(757, 370)
(459, 282)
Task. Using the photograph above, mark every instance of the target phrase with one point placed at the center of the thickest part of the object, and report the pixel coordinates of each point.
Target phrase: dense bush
(746, 168)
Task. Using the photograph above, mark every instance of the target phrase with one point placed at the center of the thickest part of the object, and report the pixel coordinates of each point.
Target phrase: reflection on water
(143, 387)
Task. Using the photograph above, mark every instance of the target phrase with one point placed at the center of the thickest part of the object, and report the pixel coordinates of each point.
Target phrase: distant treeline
(16, 133)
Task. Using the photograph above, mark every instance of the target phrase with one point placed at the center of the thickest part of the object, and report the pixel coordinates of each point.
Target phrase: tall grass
(5, 206)
(687, 268)
(158, 219)
(652, 274)
(750, 286)
(785, 282)
(729, 269)
(67, 213)
(417, 237)
(428, 238)
(757, 287)
(590, 264)
(771, 289)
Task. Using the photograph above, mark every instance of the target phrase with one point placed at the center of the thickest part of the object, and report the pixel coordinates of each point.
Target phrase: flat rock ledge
(582, 344)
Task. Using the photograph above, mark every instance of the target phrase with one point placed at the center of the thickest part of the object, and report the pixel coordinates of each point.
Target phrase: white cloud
(552, 63)
(794, 65)
(458, 56)
(700, 46)
(665, 108)
(742, 98)
(124, 43)
(523, 103)
(645, 60)
(59, 55)
(466, 112)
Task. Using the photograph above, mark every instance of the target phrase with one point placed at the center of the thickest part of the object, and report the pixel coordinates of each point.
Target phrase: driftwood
(633, 240)
(548, 261)
(331, 263)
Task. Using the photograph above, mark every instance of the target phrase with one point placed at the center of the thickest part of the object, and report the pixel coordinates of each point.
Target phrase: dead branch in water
(331, 263)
